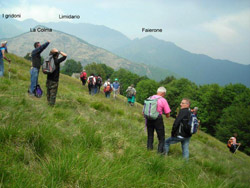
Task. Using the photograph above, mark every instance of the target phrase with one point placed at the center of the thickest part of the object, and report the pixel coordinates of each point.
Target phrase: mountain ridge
(199, 68)
(82, 51)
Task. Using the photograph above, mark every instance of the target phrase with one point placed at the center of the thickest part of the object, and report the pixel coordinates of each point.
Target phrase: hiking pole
(236, 149)
(9, 70)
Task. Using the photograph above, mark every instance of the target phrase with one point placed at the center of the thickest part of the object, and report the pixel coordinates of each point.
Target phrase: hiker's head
(108, 80)
(92, 74)
(54, 52)
(195, 110)
(185, 103)
(4, 43)
(161, 91)
(37, 44)
(116, 80)
(132, 85)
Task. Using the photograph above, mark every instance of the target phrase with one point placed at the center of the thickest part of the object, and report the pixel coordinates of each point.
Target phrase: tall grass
(91, 141)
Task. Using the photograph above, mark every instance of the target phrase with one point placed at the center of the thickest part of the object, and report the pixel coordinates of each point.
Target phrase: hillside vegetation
(89, 141)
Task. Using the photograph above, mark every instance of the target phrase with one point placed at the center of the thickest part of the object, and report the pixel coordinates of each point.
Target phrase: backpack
(48, 65)
(38, 91)
(229, 143)
(83, 75)
(91, 81)
(193, 123)
(150, 109)
(99, 81)
(108, 88)
(130, 92)
(189, 126)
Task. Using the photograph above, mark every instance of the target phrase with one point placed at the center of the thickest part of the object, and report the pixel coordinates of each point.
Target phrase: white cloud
(231, 28)
(41, 13)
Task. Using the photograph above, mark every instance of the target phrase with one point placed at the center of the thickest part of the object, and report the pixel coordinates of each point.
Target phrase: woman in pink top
(157, 124)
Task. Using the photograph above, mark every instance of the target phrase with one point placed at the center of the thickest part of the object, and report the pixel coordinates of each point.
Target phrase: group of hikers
(185, 124)
(95, 83)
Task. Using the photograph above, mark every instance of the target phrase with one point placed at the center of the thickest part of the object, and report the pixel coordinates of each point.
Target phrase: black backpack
(91, 81)
(48, 65)
(99, 81)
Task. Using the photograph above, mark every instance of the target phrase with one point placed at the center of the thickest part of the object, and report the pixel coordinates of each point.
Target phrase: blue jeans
(184, 145)
(107, 94)
(34, 72)
(96, 89)
(1, 67)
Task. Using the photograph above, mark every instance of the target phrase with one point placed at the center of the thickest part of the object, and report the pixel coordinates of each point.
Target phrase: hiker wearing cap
(36, 64)
(232, 144)
(107, 88)
(131, 93)
(116, 88)
(53, 78)
(91, 84)
(155, 122)
(83, 77)
(179, 133)
(3, 49)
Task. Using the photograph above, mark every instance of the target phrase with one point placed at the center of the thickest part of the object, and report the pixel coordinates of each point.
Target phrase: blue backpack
(38, 91)
(193, 123)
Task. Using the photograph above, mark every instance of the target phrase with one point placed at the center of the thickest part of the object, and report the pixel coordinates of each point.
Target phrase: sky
(217, 28)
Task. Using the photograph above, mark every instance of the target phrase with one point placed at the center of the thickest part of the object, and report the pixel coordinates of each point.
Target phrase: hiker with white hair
(107, 88)
(154, 108)
(3, 49)
(53, 78)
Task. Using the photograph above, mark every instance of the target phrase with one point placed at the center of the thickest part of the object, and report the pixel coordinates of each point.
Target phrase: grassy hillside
(89, 141)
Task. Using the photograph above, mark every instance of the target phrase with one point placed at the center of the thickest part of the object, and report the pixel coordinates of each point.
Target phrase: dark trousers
(52, 87)
(83, 81)
(157, 125)
(233, 148)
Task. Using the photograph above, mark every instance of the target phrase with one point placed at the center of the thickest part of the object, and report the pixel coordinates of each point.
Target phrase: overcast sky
(217, 28)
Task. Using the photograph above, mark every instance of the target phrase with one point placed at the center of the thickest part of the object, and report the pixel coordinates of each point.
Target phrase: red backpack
(83, 75)
(108, 88)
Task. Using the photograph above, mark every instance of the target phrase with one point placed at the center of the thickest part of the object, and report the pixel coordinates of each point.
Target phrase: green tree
(108, 71)
(167, 80)
(71, 66)
(179, 89)
(145, 89)
(211, 106)
(96, 69)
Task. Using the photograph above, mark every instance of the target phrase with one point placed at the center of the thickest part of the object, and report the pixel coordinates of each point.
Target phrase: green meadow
(91, 141)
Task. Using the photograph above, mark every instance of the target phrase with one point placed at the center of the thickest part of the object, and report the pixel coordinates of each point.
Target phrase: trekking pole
(236, 149)
(9, 70)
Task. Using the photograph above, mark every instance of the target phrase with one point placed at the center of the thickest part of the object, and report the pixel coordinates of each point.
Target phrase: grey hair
(161, 90)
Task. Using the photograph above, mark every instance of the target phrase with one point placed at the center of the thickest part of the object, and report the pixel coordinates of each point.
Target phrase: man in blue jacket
(36, 64)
